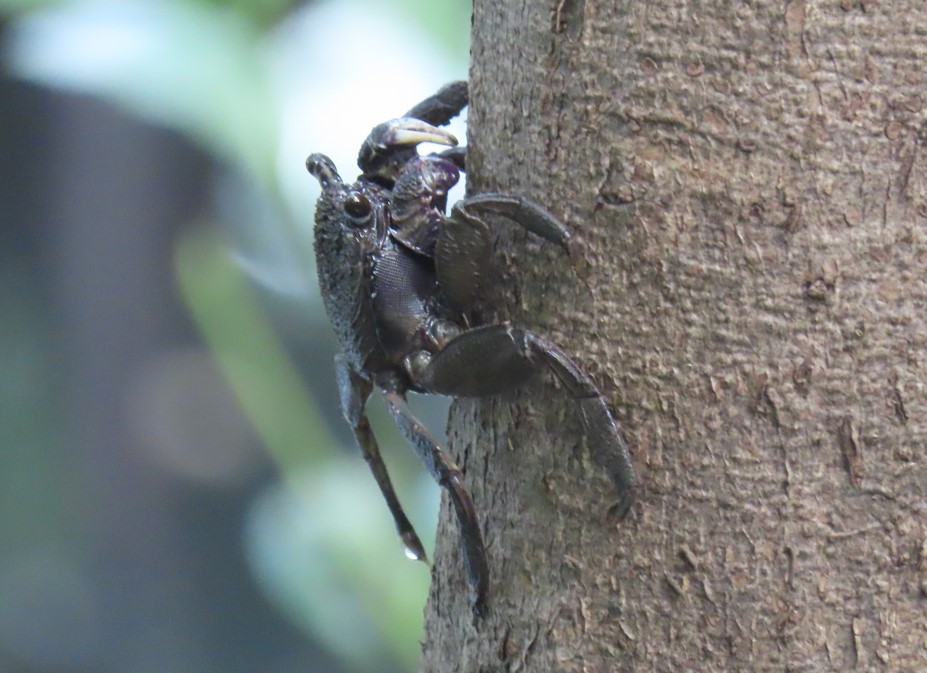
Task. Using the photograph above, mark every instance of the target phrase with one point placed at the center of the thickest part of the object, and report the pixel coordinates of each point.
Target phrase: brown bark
(748, 180)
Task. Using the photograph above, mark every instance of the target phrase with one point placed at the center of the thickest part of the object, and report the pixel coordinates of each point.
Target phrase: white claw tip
(414, 137)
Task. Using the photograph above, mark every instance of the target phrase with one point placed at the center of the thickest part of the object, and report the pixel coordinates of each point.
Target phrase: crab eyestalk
(323, 169)
(391, 144)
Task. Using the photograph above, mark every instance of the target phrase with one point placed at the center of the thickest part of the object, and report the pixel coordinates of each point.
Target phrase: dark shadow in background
(108, 564)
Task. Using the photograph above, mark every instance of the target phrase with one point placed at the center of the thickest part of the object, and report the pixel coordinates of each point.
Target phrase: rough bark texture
(748, 180)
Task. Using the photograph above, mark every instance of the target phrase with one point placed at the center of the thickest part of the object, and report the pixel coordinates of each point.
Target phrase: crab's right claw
(408, 131)
(391, 144)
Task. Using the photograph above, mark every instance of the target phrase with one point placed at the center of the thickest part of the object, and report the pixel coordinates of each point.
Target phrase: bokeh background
(178, 491)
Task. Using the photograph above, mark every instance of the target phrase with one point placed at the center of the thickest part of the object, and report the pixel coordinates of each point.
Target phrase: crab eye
(357, 206)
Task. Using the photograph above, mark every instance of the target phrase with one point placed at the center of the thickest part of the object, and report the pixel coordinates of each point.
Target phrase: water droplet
(412, 546)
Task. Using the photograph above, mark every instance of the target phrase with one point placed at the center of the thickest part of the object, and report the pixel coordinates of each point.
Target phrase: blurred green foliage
(323, 548)
(196, 67)
(29, 424)
(240, 338)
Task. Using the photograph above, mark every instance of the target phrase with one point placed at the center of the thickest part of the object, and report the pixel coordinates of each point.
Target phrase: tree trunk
(748, 183)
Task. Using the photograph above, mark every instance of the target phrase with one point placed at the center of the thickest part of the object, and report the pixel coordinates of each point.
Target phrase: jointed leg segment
(448, 475)
(521, 210)
(464, 245)
(509, 357)
(443, 106)
(354, 391)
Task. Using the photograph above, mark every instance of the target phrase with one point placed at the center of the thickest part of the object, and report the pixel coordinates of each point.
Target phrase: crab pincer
(400, 280)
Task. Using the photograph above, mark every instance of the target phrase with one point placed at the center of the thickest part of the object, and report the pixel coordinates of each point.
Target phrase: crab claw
(406, 131)
(392, 143)
(413, 131)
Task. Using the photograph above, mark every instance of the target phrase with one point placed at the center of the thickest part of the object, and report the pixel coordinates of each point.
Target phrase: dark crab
(400, 280)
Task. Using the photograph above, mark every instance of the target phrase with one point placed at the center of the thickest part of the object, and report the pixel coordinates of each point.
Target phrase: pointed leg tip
(479, 607)
(578, 260)
(413, 548)
(622, 508)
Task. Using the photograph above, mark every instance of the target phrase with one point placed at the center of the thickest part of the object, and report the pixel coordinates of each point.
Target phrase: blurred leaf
(258, 12)
(40, 489)
(12, 7)
(326, 551)
(263, 377)
(447, 23)
(195, 67)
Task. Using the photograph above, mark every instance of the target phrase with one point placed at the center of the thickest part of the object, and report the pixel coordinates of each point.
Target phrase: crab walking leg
(354, 391)
(462, 256)
(521, 210)
(508, 357)
(443, 106)
(605, 440)
(463, 249)
(448, 475)
(457, 155)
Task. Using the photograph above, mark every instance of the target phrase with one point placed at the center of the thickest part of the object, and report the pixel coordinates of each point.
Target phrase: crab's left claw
(391, 144)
